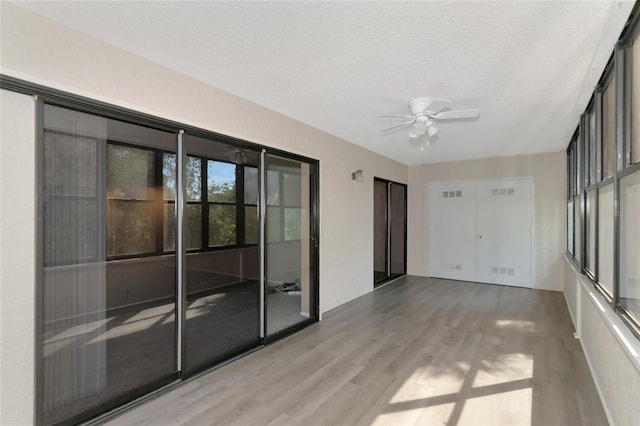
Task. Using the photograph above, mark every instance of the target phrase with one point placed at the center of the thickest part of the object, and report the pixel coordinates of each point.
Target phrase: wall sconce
(357, 176)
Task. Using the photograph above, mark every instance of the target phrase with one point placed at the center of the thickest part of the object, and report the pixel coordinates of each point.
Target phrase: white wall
(612, 352)
(43, 52)
(548, 172)
(17, 262)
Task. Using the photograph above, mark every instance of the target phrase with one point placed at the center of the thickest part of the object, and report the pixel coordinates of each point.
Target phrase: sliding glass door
(109, 279)
(164, 252)
(221, 267)
(290, 248)
(389, 230)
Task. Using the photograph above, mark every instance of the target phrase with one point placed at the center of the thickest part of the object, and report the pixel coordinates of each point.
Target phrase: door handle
(479, 236)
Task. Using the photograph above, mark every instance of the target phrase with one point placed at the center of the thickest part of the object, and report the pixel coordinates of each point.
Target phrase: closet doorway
(389, 230)
(482, 231)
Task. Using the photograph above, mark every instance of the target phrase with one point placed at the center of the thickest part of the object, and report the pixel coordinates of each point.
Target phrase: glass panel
(274, 224)
(169, 177)
(605, 238)
(591, 231)
(251, 225)
(108, 326)
(222, 225)
(169, 229)
(577, 231)
(222, 292)
(570, 228)
(292, 223)
(291, 183)
(593, 163)
(194, 179)
(221, 182)
(193, 226)
(635, 102)
(579, 162)
(379, 230)
(398, 224)
(630, 244)
(130, 227)
(273, 187)
(289, 268)
(130, 172)
(608, 129)
(251, 185)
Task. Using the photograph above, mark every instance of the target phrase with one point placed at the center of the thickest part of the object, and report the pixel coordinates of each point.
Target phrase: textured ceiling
(529, 65)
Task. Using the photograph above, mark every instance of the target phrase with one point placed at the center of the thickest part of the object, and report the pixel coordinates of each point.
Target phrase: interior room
(320, 213)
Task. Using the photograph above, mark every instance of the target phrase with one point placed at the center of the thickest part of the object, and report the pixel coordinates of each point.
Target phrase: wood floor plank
(417, 351)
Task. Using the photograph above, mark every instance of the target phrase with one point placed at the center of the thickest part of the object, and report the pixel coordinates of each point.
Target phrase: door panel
(504, 232)
(398, 229)
(221, 278)
(379, 231)
(452, 230)
(289, 247)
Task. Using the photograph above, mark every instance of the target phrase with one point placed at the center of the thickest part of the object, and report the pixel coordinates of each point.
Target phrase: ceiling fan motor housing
(420, 105)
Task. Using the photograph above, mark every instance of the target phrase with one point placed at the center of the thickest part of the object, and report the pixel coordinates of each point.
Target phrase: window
(608, 129)
(630, 244)
(221, 195)
(612, 209)
(285, 202)
(250, 205)
(594, 167)
(635, 102)
(130, 204)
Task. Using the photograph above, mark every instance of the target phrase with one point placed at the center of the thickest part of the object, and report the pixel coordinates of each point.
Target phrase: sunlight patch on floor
(505, 408)
(503, 369)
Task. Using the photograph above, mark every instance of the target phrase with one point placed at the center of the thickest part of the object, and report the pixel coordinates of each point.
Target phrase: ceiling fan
(424, 113)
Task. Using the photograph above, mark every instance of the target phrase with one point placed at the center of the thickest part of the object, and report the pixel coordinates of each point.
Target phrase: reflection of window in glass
(635, 101)
(221, 182)
(221, 195)
(130, 211)
(193, 226)
(593, 166)
(608, 129)
(273, 188)
(630, 244)
(194, 179)
(292, 189)
(222, 225)
(274, 228)
(251, 224)
(292, 223)
(251, 185)
(251, 205)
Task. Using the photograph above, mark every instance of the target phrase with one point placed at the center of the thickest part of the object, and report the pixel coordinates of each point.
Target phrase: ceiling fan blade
(395, 116)
(462, 113)
(438, 105)
(406, 123)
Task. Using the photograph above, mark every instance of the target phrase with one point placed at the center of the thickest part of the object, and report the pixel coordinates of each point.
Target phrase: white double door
(481, 231)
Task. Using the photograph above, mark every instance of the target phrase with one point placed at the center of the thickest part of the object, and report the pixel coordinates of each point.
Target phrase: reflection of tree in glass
(169, 176)
(129, 172)
(130, 228)
(222, 225)
(292, 224)
(193, 171)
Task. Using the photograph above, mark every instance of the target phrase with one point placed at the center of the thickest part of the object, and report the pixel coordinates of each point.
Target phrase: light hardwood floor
(417, 351)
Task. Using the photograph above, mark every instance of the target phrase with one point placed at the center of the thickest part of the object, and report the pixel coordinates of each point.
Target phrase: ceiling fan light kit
(424, 112)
